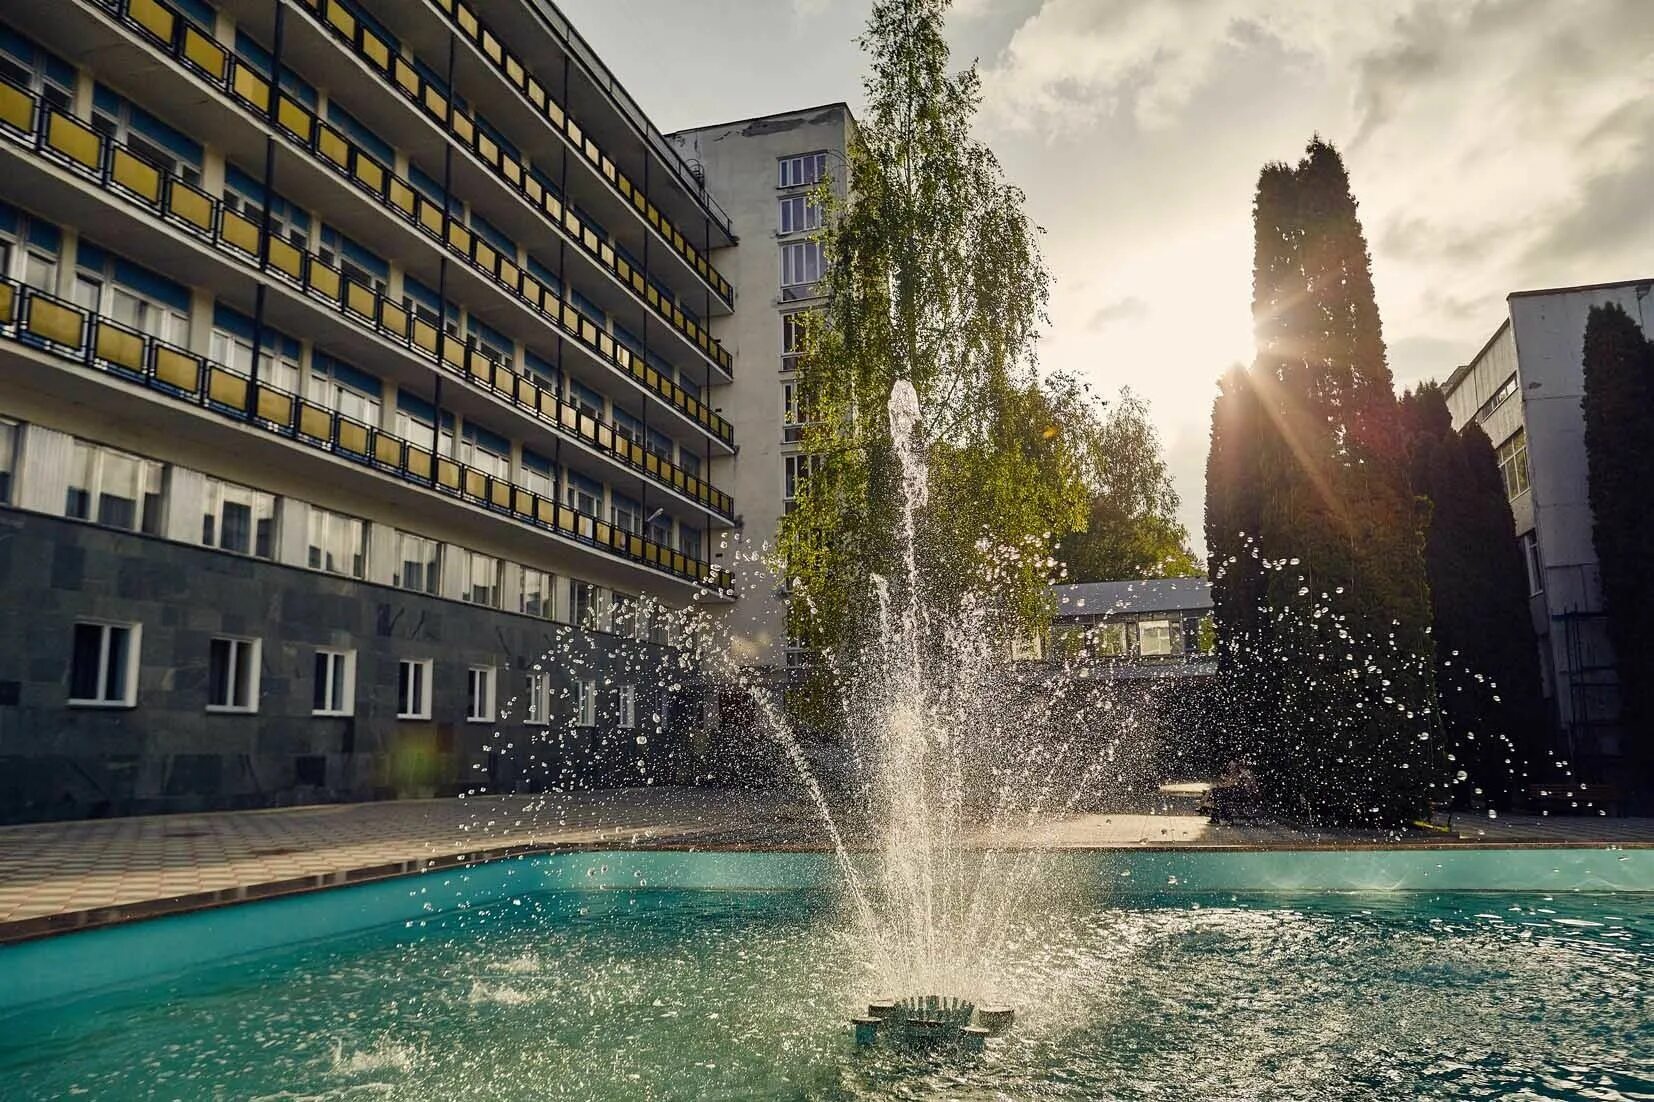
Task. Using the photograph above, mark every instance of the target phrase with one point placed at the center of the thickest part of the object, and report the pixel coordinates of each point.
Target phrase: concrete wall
(740, 161)
(168, 753)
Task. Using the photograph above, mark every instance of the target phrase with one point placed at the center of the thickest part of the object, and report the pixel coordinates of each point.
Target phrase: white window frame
(479, 694)
(1158, 625)
(245, 657)
(1534, 562)
(538, 711)
(801, 169)
(341, 666)
(496, 583)
(547, 592)
(129, 680)
(585, 704)
(419, 699)
(433, 566)
(212, 504)
(797, 214)
(1512, 457)
(803, 264)
(322, 528)
(626, 707)
(96, 458)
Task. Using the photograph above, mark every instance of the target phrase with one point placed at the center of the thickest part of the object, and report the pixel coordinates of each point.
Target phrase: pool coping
(65, 922)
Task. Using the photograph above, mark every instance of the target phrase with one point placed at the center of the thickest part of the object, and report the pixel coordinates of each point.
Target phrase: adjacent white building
(1524, 388)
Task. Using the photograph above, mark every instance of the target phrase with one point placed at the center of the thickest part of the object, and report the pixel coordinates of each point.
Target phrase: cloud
(1129, 308)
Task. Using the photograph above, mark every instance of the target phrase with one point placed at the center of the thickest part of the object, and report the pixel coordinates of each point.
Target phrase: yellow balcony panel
(576, 135)
(177, 369)
(566, 518)
(522, 502)
(205, 54)
(226, 389)
(54, 322)
(607, 254)
(485, 256)
(238, 231)
(605, 344)
(476, 483)
(273, 405)
(459, 237)
(488, 149)
(251, 88)
(419, 462)
(16, 108)
(435, 102)
(514, 71)
(571, 317)
(545, 511)
(8, 303)
(553, 208)
(69, 137)
(571, 223)
(324, 280)
(294, 118)
(588, 238)
(353, 438)
(135, 175)
(605, 437)
(546, 402)
(467, 20)
(652, 464)
(119, 347)
(640, 202)
(463, 127)
(332, 146)
(286, 258)
(588, 425)
(341, 19)
(554, 112)
(513, 170)
(478, 366)
(651, 552)
(447, 473)
(370, 173)
(154, 18)
(504, 380)
(401, 196)
(387, 450)
(569, 418)
(652, 378)
(593, 154)
(406, 76)
(393, 318)
(316, 422)
(425, 335)
(535, 92)
(453, 353)
(588, 331)
(638, 283)
(509, 274)
(491, 47)
(430, 216)
(609, 169)
(360, 299)
(601, 531)
(376, 50)
(535, 192)
(500, 493)
(531, 290)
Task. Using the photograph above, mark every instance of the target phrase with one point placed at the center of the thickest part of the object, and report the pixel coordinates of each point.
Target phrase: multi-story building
(1144, 627)
(765, 171)
(1524, 389)
(352, 352)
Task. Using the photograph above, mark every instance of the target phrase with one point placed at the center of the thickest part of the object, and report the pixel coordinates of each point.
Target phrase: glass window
(103, 664)
(113, 488)
(484, 455)
(793, 329)
(586, 703)
(538, 711)
(534, 474)
(627, 514)
(479, 683)
(482, 579)
(796, 471)
(625, 615)
(628, 707)
(413, 689)
(799, 213)
(801, 169)
(236, 518)
(539, 586)
(232, 675)
(583, 610)
(344, 390)
(1109, 640)
(1536, 567)
(1513, 463)
(1154, 637)
(335, 690)
(338, 544)
(279, 370)
(8, 458)
(801, 263)
(689, 541)
(585, 494)
(419, 563)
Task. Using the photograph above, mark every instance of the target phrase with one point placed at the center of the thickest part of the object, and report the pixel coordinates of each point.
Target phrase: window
(479, 688)
(485, 451)
(338, 544)
(801, 169)
(279, 369)
(413, 689)
(1536, 567)
(794, 326)
(232, 675)
(795, 413)
(689, 541)
(8, 458)
(482, 575)
(114, 488)
(146, 135)
(1513, 463)
(586, 400)
(627, 514)
(585, 494)
(1109, 640)
(103, 666)
(344, 390)
(799, 213)
(628, 707)
(583, 610)
(419, 563)
(539, 699)
(801, 263)
(535, 474)
(245, 196)
(625, 616)
(41, 72)
(658, 530)
(335, 691)
(235, 518)
(353, 260)
(1497, 399)
(585, 703)
(1154, 637)
(539, 588)
(796, 471)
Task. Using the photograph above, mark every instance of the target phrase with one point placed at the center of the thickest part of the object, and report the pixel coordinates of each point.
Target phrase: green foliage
(935, 276)
(1130, 526)
(1307, 473)
(1619, 450)
(1487, 659)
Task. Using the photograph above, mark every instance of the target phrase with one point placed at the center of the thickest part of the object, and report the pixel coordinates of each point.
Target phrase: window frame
(434, 566)
(212, 507)
(408, 708)
(585, 703)
(242, 663)
(537, 713)
(488, 680)
(626, 707)
(129, 683)
(345, 662)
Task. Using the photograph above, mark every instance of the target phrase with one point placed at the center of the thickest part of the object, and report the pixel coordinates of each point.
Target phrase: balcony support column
(280, 13)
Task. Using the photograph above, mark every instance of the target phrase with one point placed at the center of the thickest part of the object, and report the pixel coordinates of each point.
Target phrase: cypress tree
(1619, 451)
(1487, 657)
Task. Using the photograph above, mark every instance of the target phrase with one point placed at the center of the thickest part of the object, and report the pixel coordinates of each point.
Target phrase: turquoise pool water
(641, 993)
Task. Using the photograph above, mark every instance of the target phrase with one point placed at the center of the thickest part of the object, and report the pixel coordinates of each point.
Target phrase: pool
(638, 976)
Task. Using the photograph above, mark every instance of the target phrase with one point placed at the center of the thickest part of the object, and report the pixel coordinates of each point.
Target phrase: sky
(1492, 145)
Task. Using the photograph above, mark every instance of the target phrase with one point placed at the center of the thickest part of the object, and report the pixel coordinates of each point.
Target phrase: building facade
(353, 353)
(1524, 389)
(764, 170)
(1144, 627)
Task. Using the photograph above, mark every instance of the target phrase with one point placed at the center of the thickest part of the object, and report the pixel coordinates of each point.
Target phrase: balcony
(120, 173)
(160, 28)
(33, 320)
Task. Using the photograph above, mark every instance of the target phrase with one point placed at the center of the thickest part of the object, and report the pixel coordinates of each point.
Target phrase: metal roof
(1138, 595)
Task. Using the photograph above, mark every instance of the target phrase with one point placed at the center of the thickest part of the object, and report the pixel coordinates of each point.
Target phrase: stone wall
(168, 753)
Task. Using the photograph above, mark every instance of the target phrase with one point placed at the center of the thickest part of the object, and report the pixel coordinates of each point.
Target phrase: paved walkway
(59, 876)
